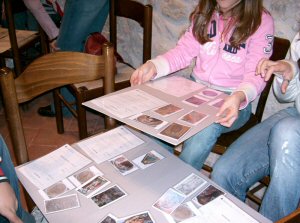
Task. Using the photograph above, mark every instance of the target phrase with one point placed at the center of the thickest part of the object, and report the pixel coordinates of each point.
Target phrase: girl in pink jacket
(227, 38)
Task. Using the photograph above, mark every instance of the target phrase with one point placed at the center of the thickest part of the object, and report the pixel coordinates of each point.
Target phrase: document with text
(109, 144)
(54, 167)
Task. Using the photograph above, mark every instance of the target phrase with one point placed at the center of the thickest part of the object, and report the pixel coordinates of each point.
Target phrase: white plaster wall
(170, 19)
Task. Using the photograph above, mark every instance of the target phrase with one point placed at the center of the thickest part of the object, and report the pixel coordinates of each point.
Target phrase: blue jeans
(9, 171)
(270, 148)
(197, 148)
(81, 17)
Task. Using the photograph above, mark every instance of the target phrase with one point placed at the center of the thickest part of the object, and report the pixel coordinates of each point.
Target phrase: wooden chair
(47, 73)
(89, 90)
(294, 217)
(16, 41)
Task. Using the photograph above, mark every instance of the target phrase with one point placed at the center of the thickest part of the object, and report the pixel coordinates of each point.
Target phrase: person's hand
(143, 73)
(229, 111)
(8, 203)
(53, 46)
(266, 68)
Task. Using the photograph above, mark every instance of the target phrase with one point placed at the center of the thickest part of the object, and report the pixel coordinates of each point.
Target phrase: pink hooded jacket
(218, 64)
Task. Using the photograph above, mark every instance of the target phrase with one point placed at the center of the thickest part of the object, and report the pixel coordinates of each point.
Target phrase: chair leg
(58, 111)
(81, 116)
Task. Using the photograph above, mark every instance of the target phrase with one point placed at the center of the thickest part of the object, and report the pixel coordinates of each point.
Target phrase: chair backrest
(280, 49)
(47, 73)
(13, 37)
(136, 11)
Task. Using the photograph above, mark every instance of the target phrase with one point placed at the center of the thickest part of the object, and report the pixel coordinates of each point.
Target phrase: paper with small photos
(148, 159)
(92, 186)
(108, 196)
(182, 212)
(85, 175)
(123, 165)
(63, 203)
(219, 210)
(57, 189)
(169, 201)
(53, 167)
(159, 106)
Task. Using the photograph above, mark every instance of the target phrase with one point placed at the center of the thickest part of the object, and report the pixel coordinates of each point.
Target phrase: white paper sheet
(219, 210)
(54, 167)
(110, 144)
(128, 103)
(175, 86)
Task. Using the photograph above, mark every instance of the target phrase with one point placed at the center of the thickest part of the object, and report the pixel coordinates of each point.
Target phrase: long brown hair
(247, 16)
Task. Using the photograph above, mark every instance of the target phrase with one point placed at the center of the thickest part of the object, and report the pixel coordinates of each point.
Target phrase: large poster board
(171, 108)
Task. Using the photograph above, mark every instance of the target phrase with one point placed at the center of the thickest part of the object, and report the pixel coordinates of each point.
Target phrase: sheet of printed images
(92, 184)
(221, 209)
(88, 181)
(124, 166)
(54, 167)
(188, 198)
(172, 108)
(143, 217)
(172, 204)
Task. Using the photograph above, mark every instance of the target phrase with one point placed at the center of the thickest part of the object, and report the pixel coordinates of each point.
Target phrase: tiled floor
(40, 132)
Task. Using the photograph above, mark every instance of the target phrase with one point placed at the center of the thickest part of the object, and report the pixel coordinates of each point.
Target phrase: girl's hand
(143, 74)
(266, 68)
(229, 111)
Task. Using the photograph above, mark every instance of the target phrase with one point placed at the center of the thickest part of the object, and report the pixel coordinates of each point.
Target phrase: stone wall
(170, 20)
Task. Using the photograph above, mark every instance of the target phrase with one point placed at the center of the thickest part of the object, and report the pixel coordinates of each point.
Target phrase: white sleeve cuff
(250, 93)
(162, 66)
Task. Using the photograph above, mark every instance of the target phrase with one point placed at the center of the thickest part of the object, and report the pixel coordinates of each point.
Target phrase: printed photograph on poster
(148, 159)
(182, 212)
(175, 131)
(193, 117)
(207, 195)
(169, 201)
(57, 189)
(92, 186)
(84, 175)
(109, 219)
(167, 110)
(195, 100)
(123, 165)
(108, 196)
(210, 93)
(61, 203)
(190, 184)
(149, 121)
(217, 103)
(143, 217)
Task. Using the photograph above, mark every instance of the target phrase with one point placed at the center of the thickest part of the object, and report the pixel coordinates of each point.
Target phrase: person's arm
(286, 85)
(259, 46)
(175, 59)
(39, 12)
(8, 200)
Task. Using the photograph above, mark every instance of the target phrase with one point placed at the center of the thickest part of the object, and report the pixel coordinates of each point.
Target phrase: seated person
(226, 57)
(43, 18)
(271, 147)
(80, 18)
(10, 203)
